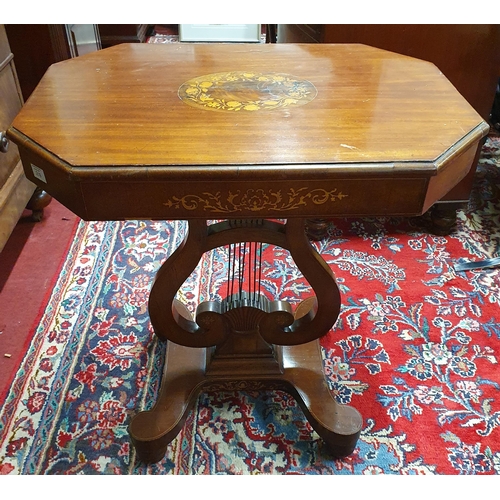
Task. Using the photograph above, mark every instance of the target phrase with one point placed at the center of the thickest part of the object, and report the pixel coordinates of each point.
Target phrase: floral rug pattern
(415, 350)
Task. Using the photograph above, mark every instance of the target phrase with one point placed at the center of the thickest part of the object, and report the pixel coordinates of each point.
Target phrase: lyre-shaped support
(249, 341)
(278, 326)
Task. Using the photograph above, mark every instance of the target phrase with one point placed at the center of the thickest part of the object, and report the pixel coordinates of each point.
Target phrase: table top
(245, 104)
(177, 131)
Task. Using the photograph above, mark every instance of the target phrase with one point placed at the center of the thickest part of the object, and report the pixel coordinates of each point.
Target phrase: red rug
(30, 264)
(415, 349)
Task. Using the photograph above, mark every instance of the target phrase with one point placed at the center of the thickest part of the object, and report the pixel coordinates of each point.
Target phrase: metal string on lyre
(246, 319)
(244, 274)
(245, 306)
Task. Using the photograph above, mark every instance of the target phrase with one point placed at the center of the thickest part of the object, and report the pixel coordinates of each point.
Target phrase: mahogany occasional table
(262, 138)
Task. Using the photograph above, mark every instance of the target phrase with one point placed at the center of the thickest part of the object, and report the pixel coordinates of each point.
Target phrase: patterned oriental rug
(415, 349)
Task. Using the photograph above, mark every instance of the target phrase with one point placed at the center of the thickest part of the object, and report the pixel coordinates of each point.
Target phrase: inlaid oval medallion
(246, 91)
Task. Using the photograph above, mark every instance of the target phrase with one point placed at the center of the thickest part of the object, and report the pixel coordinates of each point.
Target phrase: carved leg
(338, 425)
(151, 431)
(303, 377)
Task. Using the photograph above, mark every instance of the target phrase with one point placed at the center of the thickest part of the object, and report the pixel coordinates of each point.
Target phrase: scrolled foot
(342, 439)
(150, 452)
(151, 431)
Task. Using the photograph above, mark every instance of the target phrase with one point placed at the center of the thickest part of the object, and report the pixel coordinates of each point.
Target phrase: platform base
(185, 377)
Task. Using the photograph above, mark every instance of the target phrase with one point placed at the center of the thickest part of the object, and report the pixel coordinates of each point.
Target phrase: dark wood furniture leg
(444, 217)
(38, 201)
(244, 343)
(317, 229)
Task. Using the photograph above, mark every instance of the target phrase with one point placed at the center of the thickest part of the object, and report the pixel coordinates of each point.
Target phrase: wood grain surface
(120, 107)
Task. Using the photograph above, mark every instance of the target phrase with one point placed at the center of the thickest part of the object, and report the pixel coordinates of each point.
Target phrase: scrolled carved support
(274, 321)
(250, 341)
(170, 319)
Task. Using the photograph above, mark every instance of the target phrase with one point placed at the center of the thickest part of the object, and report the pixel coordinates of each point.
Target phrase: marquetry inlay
(254, 200)
(246, 91)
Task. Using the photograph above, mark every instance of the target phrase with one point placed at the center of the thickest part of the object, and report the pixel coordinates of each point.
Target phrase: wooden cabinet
(113, 34)
(35, 48)
(15, 189)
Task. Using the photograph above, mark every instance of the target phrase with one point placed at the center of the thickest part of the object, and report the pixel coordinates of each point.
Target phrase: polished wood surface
(245, 133)
(119, 107)
(467, 54)
(112, 123)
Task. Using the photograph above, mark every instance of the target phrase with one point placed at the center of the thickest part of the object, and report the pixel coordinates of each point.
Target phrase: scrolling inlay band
(254, 200)
(246, 91)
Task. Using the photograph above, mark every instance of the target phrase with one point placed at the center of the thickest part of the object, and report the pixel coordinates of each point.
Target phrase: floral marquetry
(255, 200)
(246, 91)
